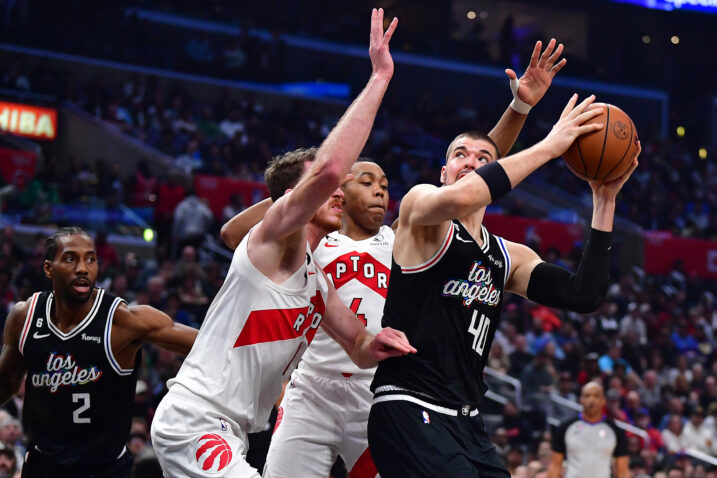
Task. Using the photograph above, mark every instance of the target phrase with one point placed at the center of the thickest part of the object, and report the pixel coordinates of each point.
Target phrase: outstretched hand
(542, 68)
(378, 49)
(609, 189)
(389, 343)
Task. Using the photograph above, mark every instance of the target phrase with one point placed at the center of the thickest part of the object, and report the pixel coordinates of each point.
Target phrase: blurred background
(149, 123)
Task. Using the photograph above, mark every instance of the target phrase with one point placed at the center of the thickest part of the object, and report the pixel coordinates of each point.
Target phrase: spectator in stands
(31, 274)
(8, 462)
(607, 362)
(143, 185)
(156, 292)
(672, 435)
(516, 425)
(538, 379)
(642, 420)
(684, 342)
(696, 434)
(235, 206)
(192, 220)
(520, 357)
(106, 254)
(632, 406)
(650, 395)
(169, 194)
(591, 370)
(632, 322)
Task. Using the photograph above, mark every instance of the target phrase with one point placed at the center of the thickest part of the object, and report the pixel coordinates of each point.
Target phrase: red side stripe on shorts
(364, 467)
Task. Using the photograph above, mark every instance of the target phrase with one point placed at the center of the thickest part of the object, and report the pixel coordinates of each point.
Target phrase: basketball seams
(629, 146)
(604, 141)
(580, 155)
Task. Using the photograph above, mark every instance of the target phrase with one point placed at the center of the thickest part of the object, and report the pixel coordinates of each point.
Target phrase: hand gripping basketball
(573, 122)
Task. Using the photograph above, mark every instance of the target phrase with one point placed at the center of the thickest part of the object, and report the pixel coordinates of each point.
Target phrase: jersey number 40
(480, 332)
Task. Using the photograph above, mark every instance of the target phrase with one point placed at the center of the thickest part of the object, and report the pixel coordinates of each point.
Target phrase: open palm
(540, 73)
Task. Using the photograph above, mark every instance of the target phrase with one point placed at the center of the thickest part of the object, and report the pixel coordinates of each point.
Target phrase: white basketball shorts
(193, 440)
(320, 417)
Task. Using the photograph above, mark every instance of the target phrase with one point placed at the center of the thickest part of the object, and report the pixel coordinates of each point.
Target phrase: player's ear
(443, 175)
(47, 267)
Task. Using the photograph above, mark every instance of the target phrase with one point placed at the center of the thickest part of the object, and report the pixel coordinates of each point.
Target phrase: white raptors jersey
(360, 271)
(252, 338)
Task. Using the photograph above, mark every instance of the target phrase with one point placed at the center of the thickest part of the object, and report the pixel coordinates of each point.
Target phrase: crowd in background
(235, 137)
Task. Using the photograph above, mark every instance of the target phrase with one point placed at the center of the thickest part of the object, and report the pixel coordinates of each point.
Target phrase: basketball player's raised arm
(427, 205)
(142, 323)
(364, 348)
(551, 285)
(527, 92)
(12, 367)
(234, 230)
(341, 147)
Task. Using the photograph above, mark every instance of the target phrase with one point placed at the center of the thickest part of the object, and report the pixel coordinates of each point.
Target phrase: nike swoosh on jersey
(461, 239)
(330, 245)
(37, 336)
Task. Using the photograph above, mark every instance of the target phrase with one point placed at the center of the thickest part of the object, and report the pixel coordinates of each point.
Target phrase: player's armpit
(237, 227)
(12, 366)
(142, 323)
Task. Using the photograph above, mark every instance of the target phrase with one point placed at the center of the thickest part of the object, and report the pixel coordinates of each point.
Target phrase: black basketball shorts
(408, 439)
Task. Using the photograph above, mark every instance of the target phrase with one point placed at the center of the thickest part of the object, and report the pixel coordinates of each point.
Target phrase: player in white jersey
(325, 408)
(272, 302)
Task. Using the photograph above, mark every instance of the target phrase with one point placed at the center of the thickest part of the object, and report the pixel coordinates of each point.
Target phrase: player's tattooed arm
(364, 348)
(237, 227)
(12, 366)
(141, 323)
(527, 92)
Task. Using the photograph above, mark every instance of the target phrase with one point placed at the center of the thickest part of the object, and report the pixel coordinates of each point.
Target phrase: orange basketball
(605, 154)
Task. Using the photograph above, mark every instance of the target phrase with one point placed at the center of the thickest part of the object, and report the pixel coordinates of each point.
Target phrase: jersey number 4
(355, 303)
(480, 332)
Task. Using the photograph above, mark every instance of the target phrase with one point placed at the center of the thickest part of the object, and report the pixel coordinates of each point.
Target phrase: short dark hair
(473, 135)
(285, 170)
(51, 242)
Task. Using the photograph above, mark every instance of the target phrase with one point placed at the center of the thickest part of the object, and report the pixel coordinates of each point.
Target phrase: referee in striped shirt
(586, 444)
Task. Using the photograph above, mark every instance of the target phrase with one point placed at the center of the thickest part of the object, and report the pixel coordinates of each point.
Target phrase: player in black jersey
(448, 278)
(80, 347)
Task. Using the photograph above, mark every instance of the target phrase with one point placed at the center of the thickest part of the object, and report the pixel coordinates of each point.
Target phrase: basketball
(605, 154)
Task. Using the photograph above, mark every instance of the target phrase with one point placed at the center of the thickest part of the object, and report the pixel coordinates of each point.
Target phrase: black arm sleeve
(581, 292)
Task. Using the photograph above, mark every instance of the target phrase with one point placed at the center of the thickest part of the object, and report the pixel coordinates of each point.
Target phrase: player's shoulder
(417, 191)
(18, 316)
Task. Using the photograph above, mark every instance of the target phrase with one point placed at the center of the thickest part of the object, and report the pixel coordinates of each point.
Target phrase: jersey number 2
(85, 399)
(355, 303)
(480, 332)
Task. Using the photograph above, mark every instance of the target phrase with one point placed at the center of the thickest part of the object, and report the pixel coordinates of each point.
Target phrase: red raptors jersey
(254, 334)
(360, 271)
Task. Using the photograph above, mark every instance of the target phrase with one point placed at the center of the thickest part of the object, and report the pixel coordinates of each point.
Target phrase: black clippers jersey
(78, 401)
(448, 307)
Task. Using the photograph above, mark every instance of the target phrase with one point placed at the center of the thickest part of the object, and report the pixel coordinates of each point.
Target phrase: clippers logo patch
(213, 453)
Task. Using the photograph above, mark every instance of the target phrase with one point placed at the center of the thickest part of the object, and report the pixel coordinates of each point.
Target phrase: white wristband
(517, 104)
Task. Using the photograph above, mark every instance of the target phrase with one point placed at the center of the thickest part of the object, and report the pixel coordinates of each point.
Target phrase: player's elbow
(228, 238)
(588, 302)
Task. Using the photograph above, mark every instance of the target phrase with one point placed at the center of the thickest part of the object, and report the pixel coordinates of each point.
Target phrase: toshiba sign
(30, 121)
